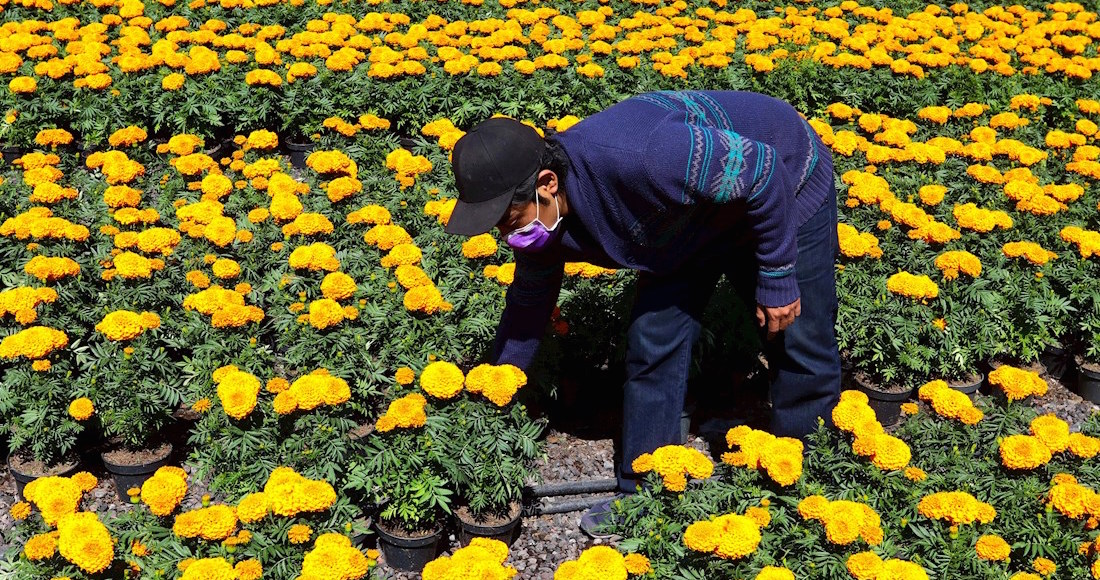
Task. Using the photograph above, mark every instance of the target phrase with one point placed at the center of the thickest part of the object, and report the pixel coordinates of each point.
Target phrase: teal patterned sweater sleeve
(694, 161)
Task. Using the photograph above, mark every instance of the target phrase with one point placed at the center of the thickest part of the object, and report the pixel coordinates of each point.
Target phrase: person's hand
(777, 318)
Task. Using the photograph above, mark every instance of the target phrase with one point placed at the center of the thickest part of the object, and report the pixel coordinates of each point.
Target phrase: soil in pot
(885, 400)
(968, 385)
(1088, 381)
(131, 467)
(408, 551)
(497, 527)
(25, 470)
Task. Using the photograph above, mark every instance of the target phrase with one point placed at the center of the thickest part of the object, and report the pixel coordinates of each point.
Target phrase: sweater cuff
(775, 292)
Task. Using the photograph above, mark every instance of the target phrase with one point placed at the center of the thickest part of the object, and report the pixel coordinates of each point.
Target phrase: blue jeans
(666, 321)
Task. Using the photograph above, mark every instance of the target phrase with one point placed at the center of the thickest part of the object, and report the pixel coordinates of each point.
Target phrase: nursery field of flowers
(234, 210)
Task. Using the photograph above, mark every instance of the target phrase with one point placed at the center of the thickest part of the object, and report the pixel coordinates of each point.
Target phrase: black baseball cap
(490, 163)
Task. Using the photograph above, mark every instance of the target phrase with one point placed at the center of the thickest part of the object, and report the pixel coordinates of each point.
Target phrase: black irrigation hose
(572, 505)
(574, 487)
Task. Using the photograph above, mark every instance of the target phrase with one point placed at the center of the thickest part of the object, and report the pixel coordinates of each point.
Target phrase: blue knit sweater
(660, 179)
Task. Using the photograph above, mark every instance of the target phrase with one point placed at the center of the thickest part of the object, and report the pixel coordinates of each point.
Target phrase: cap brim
(471, 219)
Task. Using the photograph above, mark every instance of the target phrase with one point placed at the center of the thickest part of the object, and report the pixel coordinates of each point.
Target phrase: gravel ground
(580, 447)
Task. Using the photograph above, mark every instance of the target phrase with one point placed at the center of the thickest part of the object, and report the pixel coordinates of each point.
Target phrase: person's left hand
(777, 318)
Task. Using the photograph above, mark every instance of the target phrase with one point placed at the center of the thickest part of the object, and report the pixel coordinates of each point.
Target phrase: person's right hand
(777, 318)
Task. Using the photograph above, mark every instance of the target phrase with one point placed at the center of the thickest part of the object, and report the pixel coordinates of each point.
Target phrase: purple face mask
(535, 235)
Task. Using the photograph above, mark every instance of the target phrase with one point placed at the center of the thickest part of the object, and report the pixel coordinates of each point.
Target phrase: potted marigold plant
(492, 445)
(403, 471)
(56, 538)
(289, 525)
(130, 378)
(886, 331)
(247, 427)
(1088, 378)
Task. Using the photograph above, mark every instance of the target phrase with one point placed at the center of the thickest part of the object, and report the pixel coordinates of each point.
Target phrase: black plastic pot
(970, 386)
(127, 476)
(506, 532)
(299, 152)
(361, 537)
(1088, 383)
(887, 406)
(1059, 362)
(10, 153)
(408, 554)
(61, 469)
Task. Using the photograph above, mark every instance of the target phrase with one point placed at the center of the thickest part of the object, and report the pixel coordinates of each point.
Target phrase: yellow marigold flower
(915, 474)
(935, 114)
(251, 569)
(325, 313)
(49, 269)
(953, 262)
(208, 568)
(85, 481)
(891, 453)
(316, 256)
(164, 491)
(405, 412)
(1052, 431)
(253, 507)
(480, 246)
(909, 408)
(404, 376)
(426, 299)
(1083, 446)
(1023, 452)
(1017, 384)
(1071, 499)
(913, 286)
(402, 254)
(82, 408)
(955, 507)
(775, 573)
(636, 564)
(299, 534)
(993, 548)
(848, 414)
(855, 244)
(674, 463)
(85, 542)
(442, 380)
(262, 139)
(277, 385)
(40, 547)
(123, 325)
(19, 511)
(730, 536)
(1043, 566)
(338, 286)
(237, 391)
(864, 565)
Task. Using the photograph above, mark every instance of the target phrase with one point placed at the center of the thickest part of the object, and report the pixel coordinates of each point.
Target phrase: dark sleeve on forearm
(528, 306)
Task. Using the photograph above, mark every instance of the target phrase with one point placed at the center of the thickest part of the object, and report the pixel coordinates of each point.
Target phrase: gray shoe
(596, 521)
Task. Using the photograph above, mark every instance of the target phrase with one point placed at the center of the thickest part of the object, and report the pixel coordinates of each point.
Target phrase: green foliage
(956, 458)
(492, 452)
(403, 472)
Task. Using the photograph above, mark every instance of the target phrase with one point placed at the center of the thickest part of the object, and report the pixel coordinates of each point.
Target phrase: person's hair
(554, 159)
